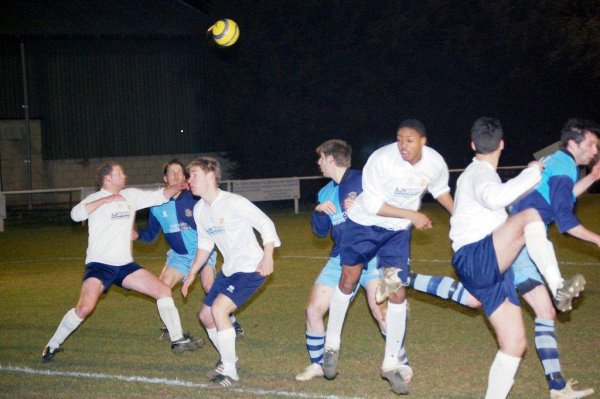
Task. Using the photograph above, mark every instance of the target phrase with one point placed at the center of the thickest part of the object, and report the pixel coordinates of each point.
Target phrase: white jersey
(229, 222)
(110, 224)
(387, 178)
(481, 198)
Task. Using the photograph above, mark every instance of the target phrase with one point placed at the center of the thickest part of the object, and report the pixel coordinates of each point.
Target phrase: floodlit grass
(451, 348)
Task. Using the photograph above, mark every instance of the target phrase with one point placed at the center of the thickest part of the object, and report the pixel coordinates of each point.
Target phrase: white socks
(541, 251)
(212, 335)
(337, 314)
(68, 324)
(396, 327)
(226, 342)
(502, 375)
(170, 316)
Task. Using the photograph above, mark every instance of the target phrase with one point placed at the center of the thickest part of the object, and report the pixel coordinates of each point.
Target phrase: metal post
(25, 107)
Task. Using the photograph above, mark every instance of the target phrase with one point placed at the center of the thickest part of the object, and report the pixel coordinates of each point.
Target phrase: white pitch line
(162, 381)
(20, 262)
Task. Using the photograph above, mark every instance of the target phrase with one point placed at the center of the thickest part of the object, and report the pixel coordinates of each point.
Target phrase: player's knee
(314, 313)
(163, 291)
(347, 287)
(348, 282)
(83, 310)
(169, 280)
(398, 297)
(514, 345)
(205, 316)
(521, 345)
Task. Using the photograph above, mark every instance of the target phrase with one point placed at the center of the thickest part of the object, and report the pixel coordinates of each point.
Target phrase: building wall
(69, 173)
(101, 97)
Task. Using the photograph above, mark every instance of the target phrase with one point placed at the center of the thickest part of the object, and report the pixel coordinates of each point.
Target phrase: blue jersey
(553, 197)
(322, 223)
(176, 220)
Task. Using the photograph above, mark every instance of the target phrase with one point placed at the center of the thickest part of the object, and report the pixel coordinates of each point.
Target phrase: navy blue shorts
(359, 244)
(477, 267)
(238, 287)
(108, 274)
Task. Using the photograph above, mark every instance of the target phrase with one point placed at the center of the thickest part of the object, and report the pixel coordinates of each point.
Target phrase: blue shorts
(332, 271)
(109, 274)
(183, 262)
(477, 267)
(527, 276)
(359, 244)
(238, 287)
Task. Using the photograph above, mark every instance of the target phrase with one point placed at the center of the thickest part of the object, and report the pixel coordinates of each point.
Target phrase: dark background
(301, 73)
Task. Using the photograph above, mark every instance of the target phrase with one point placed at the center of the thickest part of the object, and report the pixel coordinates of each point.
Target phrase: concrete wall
(52, 174)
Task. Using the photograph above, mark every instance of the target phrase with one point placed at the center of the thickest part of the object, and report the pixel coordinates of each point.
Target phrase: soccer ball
(225, 32)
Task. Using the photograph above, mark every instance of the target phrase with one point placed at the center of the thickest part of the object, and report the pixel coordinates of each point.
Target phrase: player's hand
(265, 267)
(179, 187)
(421, 221)
(348, 202)
(182, 185)
(134, 234)
(326, 207)
(186, 284)
(595, 170)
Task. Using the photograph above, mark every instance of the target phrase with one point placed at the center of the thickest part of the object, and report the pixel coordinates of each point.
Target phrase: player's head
(580, 138)
(411, 137)
(486, 135)
(204, 173)
(111, 173)
(333, 153)
(173, 173)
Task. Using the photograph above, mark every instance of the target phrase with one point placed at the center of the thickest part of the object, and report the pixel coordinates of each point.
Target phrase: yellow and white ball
(225, 32)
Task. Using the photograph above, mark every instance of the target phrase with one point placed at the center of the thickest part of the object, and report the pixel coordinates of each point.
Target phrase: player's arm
(418, 219)
(151, 231)
(199, 261)
(446, 201)
(583, 184)
(266, 265)
(258, 220)
(562, 204)
(439, 188)
(320, 221)
(83, 210)
(265, 226)
(374, 177)
(493, 194)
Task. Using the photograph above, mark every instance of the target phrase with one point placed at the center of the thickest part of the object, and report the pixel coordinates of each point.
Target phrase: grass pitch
(116, 352)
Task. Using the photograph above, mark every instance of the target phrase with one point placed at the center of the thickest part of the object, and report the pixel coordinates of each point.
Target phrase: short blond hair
(340, 150)
(207, 164)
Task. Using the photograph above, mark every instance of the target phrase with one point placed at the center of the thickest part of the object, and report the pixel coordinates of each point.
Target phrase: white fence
(276, 189)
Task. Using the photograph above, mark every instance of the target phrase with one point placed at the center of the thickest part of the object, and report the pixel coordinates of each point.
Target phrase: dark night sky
(306, 71)
(303, 72)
